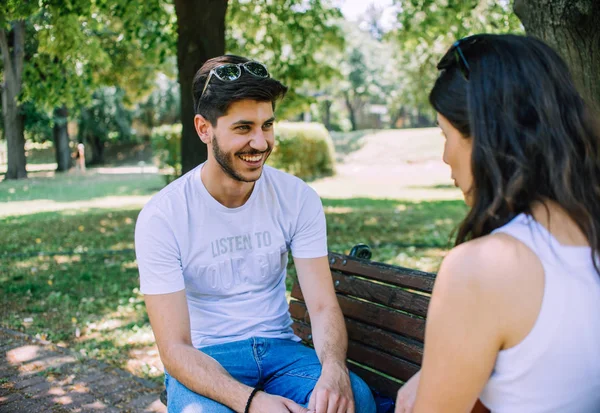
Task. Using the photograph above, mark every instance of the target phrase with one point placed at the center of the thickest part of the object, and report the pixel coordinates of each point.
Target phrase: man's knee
(363, 397)
(180, 399)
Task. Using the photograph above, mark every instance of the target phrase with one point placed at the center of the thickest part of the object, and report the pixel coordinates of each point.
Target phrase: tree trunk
(326, 116)
(61, 139)
(571, 27)
(351, 112)
(13, 119)
(97, 146)
(201, 36)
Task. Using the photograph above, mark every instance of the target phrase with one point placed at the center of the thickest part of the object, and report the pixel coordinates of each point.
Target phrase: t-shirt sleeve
(310, 237)
(157, 253)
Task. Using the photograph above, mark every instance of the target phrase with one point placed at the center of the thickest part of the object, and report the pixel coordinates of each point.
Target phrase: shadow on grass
(74, 230)
(71, 187)
(389, 226)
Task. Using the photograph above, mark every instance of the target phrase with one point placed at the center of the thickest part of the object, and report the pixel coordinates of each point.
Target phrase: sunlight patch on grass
(337, 210)
(129, 265)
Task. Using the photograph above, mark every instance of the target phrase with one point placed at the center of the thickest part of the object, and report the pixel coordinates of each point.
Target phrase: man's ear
(203, 128)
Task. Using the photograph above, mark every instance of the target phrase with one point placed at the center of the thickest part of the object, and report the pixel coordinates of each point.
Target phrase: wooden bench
(385, 308)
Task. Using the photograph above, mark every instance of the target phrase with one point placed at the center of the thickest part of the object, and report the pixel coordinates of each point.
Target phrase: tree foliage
(105, 119)
(294, 38)
(76, 46)
(84, 44)
(369, 72)
(427, 28)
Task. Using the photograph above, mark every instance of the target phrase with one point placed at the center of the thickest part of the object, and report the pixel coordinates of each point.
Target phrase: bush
(303, 149)
(166, 147)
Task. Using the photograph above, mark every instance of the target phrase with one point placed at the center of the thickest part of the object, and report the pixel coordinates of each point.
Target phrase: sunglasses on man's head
(233, 71)
(456, 55)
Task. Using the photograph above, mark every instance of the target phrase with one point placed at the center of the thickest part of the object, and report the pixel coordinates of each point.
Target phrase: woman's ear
(203, 127)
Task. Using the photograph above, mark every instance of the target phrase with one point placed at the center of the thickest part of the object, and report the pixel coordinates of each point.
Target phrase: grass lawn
(91, 302)
(73, 187)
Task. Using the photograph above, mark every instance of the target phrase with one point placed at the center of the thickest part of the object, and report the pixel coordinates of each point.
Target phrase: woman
(514, 318)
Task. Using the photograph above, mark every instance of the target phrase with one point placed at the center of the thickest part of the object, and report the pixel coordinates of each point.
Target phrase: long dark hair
(534, 137)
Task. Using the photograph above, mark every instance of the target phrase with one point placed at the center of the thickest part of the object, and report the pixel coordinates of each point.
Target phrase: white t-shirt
(230, 261)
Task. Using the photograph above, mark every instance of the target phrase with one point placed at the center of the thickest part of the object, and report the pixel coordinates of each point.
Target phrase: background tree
(161, 107)
(572, 27)
(289, 37)
(368, 66)
(76, 47)
(200, 36)
(105, 119)
(123, 45)
(12, 46)
(295, 39)
(426, 28)
(357, 90)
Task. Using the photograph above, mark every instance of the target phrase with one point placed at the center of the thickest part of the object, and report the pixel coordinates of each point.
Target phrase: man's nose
(259, 141)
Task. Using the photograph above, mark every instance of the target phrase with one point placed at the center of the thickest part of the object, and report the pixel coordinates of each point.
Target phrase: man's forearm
(329, 335)
(204, 375)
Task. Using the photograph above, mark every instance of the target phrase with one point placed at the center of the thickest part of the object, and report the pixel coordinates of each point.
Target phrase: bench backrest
(385, 308)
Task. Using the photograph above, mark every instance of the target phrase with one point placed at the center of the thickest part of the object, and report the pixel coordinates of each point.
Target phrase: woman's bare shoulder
(493, 260)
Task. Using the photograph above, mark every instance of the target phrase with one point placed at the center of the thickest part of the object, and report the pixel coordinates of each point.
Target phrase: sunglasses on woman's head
(455, 55)
(233, 71)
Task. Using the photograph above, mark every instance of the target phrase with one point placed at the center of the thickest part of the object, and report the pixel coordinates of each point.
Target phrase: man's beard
(226, 160)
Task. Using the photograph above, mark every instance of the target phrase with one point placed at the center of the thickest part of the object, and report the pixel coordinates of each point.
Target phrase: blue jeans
(283, 367)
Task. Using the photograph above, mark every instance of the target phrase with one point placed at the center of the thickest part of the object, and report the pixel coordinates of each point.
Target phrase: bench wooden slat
(399, 346)
(365, 355)
(385, 386)
(297, 292)
(399, 276)
(382, 317)
(390, 365)
(387, 295)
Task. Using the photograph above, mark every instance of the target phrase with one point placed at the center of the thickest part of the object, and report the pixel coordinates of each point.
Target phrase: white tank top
(556, 368)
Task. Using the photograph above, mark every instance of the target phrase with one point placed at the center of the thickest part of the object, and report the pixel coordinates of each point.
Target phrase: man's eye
(267, 126)
(243, 128)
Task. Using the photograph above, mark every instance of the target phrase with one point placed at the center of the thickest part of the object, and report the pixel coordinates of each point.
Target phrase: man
(212, 253)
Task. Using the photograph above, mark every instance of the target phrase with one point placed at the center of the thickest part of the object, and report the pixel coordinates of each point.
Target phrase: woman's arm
(465, 324)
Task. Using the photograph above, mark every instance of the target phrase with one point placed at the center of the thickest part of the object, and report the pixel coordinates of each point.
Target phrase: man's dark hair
(534, 136)
(219, 95)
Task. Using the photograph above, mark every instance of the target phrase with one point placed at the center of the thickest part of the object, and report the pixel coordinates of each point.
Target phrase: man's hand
(264, 402)
(407, 395)
(333, 391)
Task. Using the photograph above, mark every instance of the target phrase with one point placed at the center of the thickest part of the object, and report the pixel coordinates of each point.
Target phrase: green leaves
(426, 28)
(75, 46)
(294, 38)
(11, 10)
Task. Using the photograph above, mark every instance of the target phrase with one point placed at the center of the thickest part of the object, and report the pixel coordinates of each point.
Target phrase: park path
(395, 164)
(36, 376)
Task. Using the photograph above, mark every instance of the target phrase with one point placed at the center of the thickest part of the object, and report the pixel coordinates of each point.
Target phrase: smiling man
(212, 250)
